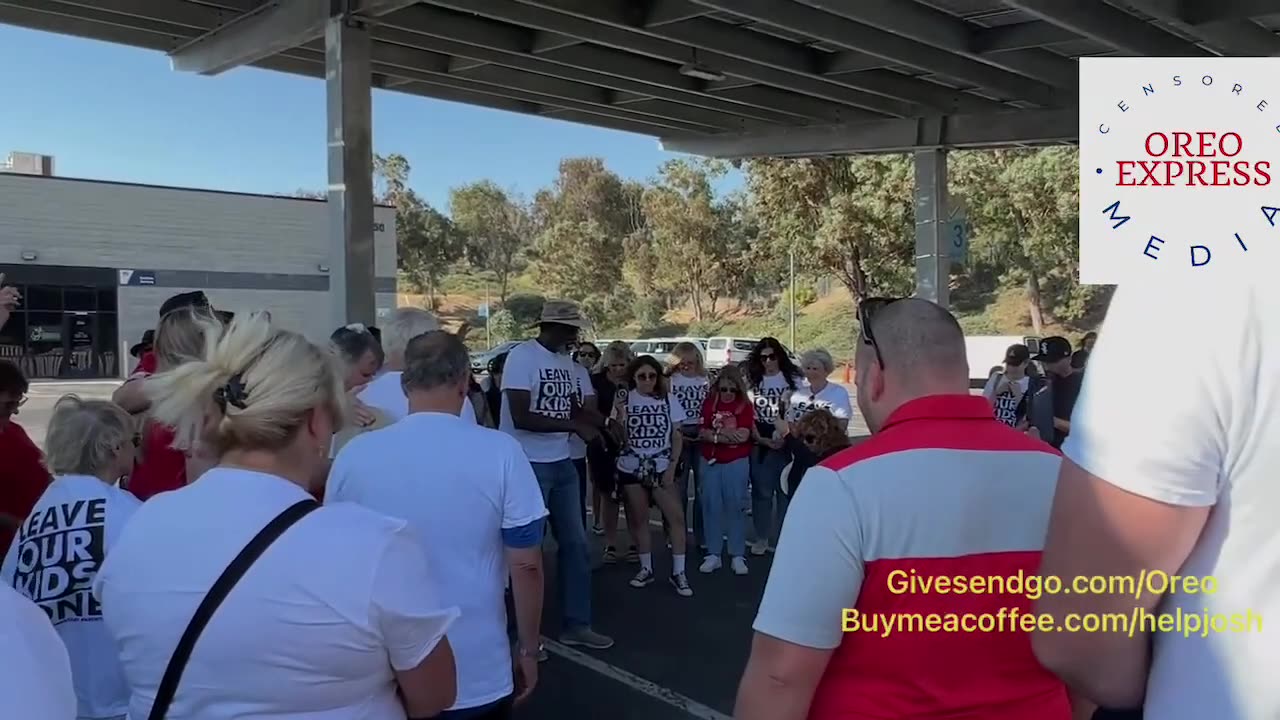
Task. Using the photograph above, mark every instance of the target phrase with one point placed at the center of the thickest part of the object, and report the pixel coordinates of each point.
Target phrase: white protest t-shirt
(36, 678)
(691, 392)
(1199, 427)
(765, 398)
(477, 484)
(649, 423)
(578, 446)
(552, 383)
(53, 559)
(832, 397)
(312, 631)
(1007, 403)
(385, 393)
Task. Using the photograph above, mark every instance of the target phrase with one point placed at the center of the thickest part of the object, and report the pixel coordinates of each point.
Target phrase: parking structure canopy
(727, 78)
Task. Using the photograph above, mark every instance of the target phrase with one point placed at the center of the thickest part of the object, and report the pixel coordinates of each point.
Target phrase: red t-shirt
(160, 467)
(740, 414)
(23, 477)
(146, 365)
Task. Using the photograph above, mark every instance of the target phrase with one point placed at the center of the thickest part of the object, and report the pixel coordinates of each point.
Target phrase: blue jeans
(766, 470)
(691, 472)
(560, 491)
(723, 487)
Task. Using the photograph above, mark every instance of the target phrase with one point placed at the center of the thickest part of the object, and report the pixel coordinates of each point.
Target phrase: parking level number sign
(957, 234)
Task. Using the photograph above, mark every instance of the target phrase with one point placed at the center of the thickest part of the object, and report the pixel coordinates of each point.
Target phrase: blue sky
(118, 113)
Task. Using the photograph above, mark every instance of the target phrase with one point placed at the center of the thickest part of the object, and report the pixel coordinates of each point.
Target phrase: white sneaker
(759, 547)
(642, 578)
(710, 564)
(739, 565)
(681, 584)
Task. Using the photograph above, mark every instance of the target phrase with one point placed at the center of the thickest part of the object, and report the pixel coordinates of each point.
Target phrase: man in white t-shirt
(384, 392)
(36, 680)
(1173, 472)
(478, 511)
(540, 409)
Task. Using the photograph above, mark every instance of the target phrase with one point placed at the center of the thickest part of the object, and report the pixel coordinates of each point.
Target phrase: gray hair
(406, 323)
(820, 356)
(85, 435)
(435, 359)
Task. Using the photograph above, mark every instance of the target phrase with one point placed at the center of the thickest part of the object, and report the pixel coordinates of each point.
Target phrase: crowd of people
(259, 526)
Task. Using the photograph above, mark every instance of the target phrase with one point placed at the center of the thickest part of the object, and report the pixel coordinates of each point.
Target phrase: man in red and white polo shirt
(941, 490)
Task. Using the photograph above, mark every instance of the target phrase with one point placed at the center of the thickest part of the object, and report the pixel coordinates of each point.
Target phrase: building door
(79, 359)
(66, 324)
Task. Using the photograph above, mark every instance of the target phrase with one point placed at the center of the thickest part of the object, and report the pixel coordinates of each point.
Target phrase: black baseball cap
(193, 299)
(1053, 349)
(1017, 354)
(148, 339)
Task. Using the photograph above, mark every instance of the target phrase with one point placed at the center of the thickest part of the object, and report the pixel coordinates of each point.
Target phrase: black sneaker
(681, 584)
(633, 555)
(642, 578)
(610, 555)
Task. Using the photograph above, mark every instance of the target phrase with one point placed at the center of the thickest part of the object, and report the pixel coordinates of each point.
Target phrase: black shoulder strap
(225, 582)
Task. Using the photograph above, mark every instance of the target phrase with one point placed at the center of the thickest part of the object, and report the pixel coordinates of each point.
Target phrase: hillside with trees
(671, 256)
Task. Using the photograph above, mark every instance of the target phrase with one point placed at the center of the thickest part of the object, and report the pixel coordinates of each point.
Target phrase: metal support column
(933, 266)
(350, 147)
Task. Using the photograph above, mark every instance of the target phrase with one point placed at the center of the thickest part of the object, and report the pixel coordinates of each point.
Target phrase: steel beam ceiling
(1019, 127)
(1109, 25)
(267, 30)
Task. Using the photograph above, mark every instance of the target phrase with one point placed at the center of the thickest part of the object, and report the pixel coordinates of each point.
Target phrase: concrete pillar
(350, 149)
(933, 266)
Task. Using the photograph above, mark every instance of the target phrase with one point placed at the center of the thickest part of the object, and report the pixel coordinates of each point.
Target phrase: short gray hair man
(406, 323)
(436, 360)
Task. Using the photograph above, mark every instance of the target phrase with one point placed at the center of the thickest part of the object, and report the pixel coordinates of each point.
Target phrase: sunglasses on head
(866, 311)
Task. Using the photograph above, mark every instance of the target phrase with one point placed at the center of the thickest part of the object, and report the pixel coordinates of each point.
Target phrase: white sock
(677, 563)
(646, 561)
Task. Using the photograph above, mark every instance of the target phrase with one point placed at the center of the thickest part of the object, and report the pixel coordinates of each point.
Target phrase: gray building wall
(247, 252)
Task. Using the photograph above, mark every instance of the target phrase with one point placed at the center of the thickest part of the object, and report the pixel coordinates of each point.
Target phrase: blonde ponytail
(252, 390)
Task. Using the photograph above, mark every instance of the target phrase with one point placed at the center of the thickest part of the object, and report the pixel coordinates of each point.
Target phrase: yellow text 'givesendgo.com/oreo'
(1139, 620)
(1032, 587)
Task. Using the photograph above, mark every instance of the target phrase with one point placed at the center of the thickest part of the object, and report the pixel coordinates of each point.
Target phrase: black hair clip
(234, 393)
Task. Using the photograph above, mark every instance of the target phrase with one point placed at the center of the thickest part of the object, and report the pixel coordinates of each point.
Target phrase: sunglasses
(729, 389)
(867, 310)
(646, 376)
(593, 356)
(768, 356)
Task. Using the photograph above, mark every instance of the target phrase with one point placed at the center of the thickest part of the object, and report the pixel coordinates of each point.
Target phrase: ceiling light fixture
(701, 72)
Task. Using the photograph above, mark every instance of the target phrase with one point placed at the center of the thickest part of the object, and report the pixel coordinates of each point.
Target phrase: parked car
(722, 351)
(480, 360)
(660, 348)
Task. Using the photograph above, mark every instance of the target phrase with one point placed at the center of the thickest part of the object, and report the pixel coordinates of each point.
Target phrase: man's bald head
(923, 353)
(921, 340)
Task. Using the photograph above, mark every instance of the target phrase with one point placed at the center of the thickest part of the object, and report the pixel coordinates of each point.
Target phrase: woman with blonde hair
(73, 528)
(689, 382)
(238, 594)
(180, 338)
(728, 423)
(610, 383)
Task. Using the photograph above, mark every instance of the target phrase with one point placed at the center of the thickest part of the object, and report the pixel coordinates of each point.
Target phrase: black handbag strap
(225, 582)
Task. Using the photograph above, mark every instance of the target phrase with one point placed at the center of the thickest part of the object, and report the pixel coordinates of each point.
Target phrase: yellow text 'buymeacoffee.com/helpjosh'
(1032, 587)
(1132, 623)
